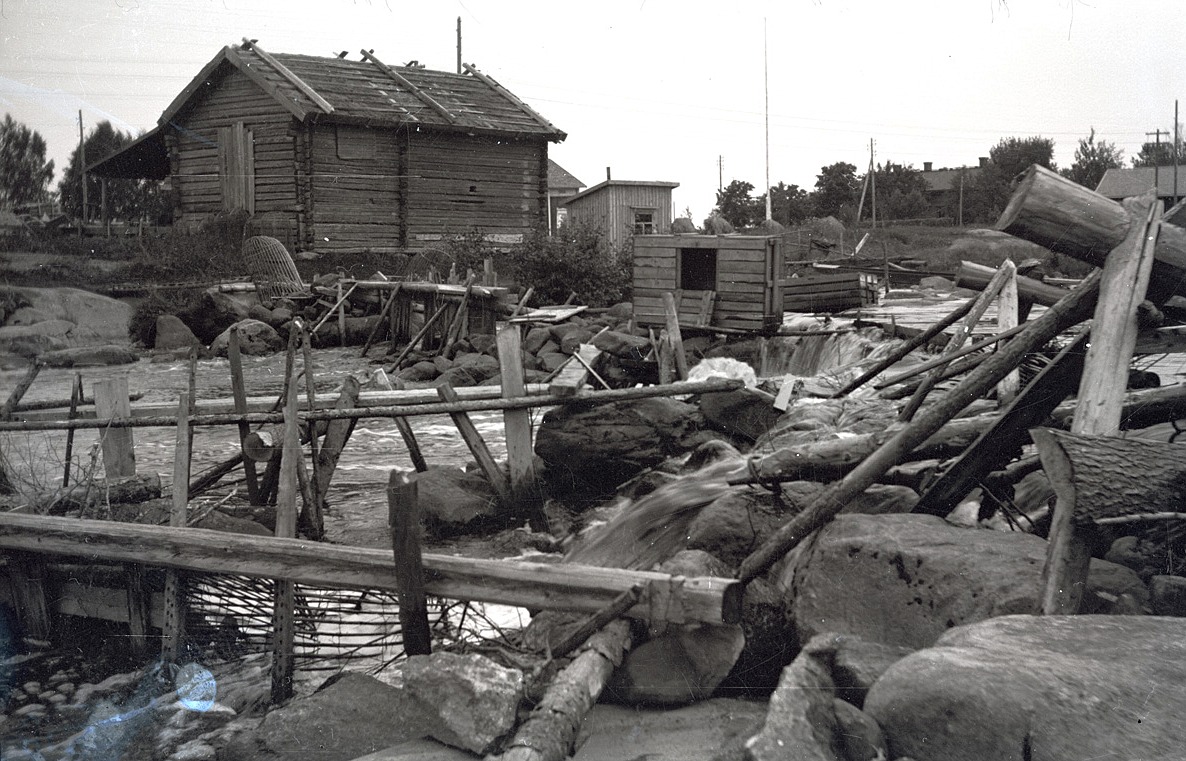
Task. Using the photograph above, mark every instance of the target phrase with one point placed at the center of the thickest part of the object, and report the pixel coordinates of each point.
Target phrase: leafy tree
(1092, 159)
(901, 192)
(1160, 153)
(127, 199)
(789, 204)
(24, 172)
(735, 204)
(836, 190)
(1011, 156)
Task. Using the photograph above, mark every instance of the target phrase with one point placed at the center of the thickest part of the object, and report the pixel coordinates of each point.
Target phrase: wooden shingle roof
(1123, 183)
(371, 92)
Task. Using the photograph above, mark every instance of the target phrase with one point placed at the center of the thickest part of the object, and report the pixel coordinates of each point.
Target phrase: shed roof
(560, 178)
(940, 180)
(1125, 183)
(620, 183)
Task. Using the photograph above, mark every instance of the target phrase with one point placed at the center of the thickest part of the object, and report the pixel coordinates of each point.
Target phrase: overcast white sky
(659, 90)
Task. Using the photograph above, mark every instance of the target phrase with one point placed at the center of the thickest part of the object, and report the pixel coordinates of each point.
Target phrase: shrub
(142, 323)
(575, 259)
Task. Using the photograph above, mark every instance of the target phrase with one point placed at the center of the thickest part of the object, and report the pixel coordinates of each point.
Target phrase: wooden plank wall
(457, 183)
(233, 99)
(611, 209)
(355, 189)
(742, 292)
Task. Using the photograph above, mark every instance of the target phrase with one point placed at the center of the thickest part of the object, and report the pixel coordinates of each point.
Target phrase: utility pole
(720, 172)
(459, 71)
(873, 183)
(82, 170)
(1175, 153)
(1157, 159)
(766, 85)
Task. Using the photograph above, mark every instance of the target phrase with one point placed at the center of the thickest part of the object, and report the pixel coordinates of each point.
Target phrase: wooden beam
(300, 84)
(174, 632)
(671, 311)
(509, 582)
(1125, 279)
(504, 92)
(477, 447)
(1007, 319)
(516, 423)
(283, 612)
(405, 83)
(21, 387)
(404, 509)
(119, 448)
(977, 276)
(239, 393)
(574, 374)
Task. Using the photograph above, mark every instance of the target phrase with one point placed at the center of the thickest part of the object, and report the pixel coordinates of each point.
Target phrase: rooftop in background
(1125, 183)
(560, 178)
(621, 183)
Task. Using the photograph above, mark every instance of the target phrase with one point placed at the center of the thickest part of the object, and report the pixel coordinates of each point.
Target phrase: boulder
(102, 319)
(801, 720)
(937, 283)
(424, 370)
(1167, 595)
(470, 700)
(685, 663)
(90, 356)
(33, 340)
(481, 366)
(904, 579)
(856, 663)
(28, 316)
(172, 333)
(535, 339)
(860, 736)
(484, 343)
(621, 312)
(552, 360)
(622, 345)
(604, 445)
(216, 312)
(573, 339)
(1039, 688)
(743, 413)
(256, 339)
(453, 501)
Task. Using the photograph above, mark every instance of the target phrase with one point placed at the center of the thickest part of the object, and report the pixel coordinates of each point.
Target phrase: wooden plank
(477, 446)
(139, 609)
(404, 509)
(28, 581)
(119, 449)
(283, 610)
(239, 393)
(574, 374)
(1125, 279)
(516, 423)
(510, 582)
(1007, 319)
(174, 633)
(674, 336)
(21, 387)
(292, 78)
(337, 433)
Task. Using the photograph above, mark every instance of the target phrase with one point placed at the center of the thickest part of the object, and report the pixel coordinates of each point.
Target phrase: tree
(735, 204)
(836, 190)
(1161, 153)
(129, 200)
(901, 192)
(24, 172)
(789, 204)
(1011, 156)
(1092, 159)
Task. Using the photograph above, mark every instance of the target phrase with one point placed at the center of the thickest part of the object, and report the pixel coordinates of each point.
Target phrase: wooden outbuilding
(347, 155)
(624, 208)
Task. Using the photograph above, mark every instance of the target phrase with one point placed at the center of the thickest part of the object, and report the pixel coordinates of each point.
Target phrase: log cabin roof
(1124, 183)
(560, 178)
(373, 93)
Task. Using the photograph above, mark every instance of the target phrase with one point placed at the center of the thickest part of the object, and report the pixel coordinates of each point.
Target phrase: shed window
(355, 142)
(644, 221)
(698, 269)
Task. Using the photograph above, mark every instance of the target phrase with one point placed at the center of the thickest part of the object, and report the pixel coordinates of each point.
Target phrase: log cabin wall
(355, 188)
(741, 270)
(235, 138)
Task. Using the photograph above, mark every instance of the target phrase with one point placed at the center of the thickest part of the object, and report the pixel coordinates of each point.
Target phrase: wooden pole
(910, 345)
(283, 617)
(404, 427)
(1124, 281)
(671, 312)
(1070, 311)
(477, 447)
(957, 339)
(947, 359)
(404, 509)
(313, 505)
(420, 334)
(21, 387)
(1007, 318)
(174, 581)
(383, 317)
(517, 423)
(239, 390)
(337, 433)
(977, 276)
(138, 597)
(119, 452)
(75, 395)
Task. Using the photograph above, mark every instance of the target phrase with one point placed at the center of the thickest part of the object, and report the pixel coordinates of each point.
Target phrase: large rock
(1046, 688)
(172, 333)
(856, 663)
(622, 345)
(216, 312)
(743, 413)
(905, 579)
(102, 319)
(801, 721)
(256, 339)
(453, 501)
(601, 446)
(33, 340)
(470, 700)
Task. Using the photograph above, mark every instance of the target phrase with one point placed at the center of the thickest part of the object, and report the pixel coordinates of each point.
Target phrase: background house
(1125, 183)
(348, 156)
(945, 188)
(562, 185)
(622, 208)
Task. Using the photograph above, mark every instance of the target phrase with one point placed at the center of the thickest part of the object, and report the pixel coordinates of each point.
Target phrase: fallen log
(1070, 219)
(115, 491)
(977, 277)
(1073, 309)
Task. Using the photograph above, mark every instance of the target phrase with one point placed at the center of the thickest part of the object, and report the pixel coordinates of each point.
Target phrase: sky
(656, 90)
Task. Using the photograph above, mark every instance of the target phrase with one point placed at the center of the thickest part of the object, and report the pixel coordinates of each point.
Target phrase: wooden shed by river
(331, 154)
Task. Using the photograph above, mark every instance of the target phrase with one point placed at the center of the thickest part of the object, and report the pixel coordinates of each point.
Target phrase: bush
(142, 323)
(575, 259)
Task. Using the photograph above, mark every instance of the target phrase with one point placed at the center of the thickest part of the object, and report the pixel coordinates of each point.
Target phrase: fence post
(404, 510)
(119, 449)
(286, 518)
(174, 582)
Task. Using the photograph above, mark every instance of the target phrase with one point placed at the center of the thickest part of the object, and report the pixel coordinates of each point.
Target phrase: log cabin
(347, 156)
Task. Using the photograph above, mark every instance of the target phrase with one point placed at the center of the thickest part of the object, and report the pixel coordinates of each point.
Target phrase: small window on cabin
(355, 142)
(698, 269)
(644, 221)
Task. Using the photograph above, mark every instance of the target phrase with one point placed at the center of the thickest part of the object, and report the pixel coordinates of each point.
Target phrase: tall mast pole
(459, 71)
(766, 85)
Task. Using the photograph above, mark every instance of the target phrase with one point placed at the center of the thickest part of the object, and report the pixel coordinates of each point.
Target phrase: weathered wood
(385, 315)
(310, 490)
(21, 387)
(478, 402)
(961, 333)
(337, 433)
(977, 276)
(477, 447)
(946, 359)
(1124, 281)
(239, 393)
(575, 373)
(509, 582)
(673, 335)
(956, 368)
(908, 346)
(404, 509)
(174, 633)
(1070, 311)
(419, 336)
(119, 448)
(999, 443)
(1007, 319)
(28, 581)
(516, 423)
(68, 457)
(283, 611)
(597, 621)
(1070, 219)
(139, 608)
(550, 732)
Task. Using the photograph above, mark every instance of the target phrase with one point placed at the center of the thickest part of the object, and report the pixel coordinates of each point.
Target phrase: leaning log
(1067, 218)
(977, 277)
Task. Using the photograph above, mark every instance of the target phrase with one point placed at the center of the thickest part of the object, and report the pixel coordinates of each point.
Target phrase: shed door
(236, 168)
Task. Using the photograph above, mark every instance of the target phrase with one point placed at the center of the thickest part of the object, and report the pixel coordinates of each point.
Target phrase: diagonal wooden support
(1124, 280)
(477, 447)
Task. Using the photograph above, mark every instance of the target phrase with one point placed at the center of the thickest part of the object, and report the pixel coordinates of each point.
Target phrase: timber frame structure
(348, 156)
